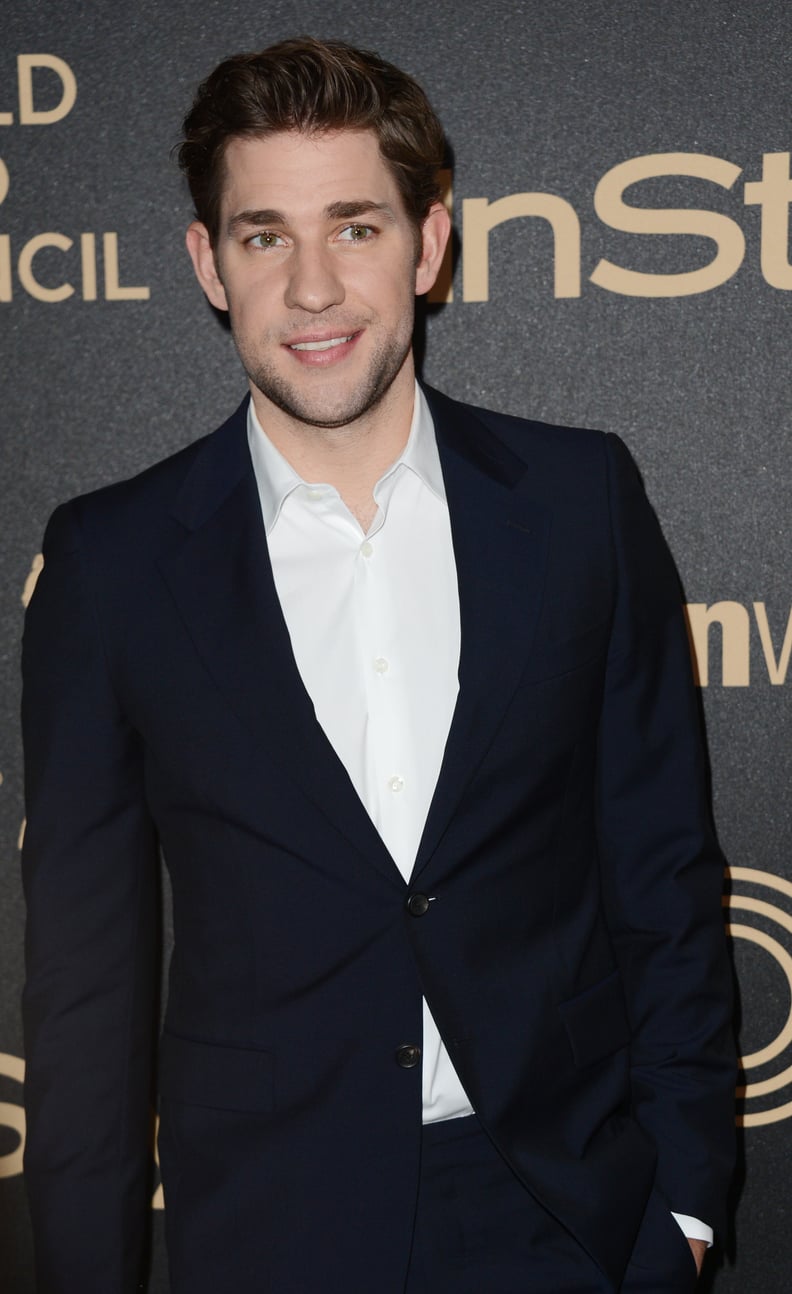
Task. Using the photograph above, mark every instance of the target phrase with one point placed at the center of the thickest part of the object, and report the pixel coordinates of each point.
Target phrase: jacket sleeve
(91, 883)
(662, 871)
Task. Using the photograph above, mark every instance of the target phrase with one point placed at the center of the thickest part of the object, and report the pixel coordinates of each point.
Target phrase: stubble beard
(299, 404)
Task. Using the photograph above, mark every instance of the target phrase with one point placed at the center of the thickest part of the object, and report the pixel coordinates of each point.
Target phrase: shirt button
(408, 1055)
(381, 665)
(314, 494)
(396, 784)
(418, 905)
(366, 549)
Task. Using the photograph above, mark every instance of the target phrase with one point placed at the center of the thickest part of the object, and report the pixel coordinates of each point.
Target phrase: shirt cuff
(693, 1228)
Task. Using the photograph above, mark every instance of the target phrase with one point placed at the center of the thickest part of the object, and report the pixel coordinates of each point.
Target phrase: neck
(353, 457)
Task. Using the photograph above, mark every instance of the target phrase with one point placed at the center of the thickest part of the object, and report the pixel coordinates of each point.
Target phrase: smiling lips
(320, 345)
(323, 350)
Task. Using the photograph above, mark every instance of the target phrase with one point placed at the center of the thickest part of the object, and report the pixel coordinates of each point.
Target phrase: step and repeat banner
(620, 189)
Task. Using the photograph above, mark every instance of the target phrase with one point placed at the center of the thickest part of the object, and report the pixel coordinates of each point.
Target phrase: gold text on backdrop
(49, 281)
(772, 194)
(734, 623)
(29, 115)
(83, 265)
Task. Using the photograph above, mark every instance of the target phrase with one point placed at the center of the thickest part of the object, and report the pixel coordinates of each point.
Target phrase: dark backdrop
(110, 359)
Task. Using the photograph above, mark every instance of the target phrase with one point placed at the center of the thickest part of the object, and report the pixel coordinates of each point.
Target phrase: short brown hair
(312, 86)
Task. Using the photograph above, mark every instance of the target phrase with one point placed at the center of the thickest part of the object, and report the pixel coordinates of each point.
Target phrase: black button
(417, 905)
(408, 1055)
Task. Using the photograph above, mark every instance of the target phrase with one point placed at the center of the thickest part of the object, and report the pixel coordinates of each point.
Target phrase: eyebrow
(352, 210)
(349, 210)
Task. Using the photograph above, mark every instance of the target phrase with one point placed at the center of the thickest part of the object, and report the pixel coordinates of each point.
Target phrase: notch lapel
(500, 546)
(221, 580)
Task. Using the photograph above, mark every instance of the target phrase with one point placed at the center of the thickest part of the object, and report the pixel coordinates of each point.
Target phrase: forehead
(300, 174)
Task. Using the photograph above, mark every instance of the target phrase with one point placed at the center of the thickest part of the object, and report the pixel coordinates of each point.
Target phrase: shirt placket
(388, 763)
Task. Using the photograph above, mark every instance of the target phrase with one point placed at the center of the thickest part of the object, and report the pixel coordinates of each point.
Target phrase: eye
(356, 234)
(264, 239)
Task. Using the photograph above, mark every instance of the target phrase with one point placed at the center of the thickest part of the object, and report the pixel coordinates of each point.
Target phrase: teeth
(320, 345)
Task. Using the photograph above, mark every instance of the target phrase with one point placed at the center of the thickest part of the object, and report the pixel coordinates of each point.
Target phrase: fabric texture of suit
(573, 954)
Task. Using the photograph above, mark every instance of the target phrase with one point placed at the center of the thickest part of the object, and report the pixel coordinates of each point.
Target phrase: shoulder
(522, 435)
(136, 509)
(551, 453)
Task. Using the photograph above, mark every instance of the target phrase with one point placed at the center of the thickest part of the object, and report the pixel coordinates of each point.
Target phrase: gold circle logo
(12, 1116)
(779, 1049)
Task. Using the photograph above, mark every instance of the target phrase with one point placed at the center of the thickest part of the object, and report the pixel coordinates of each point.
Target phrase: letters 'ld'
(66, 88)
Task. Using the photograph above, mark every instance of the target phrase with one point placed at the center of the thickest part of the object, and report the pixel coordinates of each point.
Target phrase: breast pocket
(551, 658)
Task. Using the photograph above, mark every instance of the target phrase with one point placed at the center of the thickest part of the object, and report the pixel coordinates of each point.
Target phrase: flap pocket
(596, 1020)
(209, 1074)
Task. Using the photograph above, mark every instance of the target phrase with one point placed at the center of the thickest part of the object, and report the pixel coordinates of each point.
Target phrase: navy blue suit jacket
(573, 956)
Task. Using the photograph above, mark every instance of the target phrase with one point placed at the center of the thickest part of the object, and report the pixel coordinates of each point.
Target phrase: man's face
(318, 265)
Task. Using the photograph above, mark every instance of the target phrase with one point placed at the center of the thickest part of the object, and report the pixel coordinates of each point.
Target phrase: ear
(204, 264)
(435, 232)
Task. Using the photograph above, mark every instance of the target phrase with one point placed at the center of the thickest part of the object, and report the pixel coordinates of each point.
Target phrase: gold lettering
(88, 255)
(776, 669)
(479, 218)
(113, 290)
(613, 211)
(773, 193)
(25, 268)
(4, 181)
(28, 115)
(735, 641)
(6, 289)
(12, 1116)
(36, 567)
(158, 1198)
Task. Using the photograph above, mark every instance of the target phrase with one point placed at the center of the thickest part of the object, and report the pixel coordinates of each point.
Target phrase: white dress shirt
(374, 626)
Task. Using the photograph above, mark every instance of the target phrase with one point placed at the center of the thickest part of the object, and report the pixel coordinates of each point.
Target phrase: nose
(314, 282)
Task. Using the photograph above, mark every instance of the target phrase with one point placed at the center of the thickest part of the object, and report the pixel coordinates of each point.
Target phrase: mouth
(323, 352)
(326, 343)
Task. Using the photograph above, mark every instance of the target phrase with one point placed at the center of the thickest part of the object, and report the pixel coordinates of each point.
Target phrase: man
(402, 690)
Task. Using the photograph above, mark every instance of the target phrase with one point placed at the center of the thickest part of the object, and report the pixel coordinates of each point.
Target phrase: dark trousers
(479, 1231)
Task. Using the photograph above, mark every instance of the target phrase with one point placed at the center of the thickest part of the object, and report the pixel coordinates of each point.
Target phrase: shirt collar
(276, 478)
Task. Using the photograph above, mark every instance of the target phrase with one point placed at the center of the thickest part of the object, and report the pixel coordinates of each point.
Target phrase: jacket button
(417, 905)
(408, 1055)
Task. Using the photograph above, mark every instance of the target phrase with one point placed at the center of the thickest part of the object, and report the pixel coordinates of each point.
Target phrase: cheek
(392, 296)
(252, 310)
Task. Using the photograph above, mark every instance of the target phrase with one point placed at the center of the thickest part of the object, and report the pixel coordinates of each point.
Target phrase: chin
(335, 410)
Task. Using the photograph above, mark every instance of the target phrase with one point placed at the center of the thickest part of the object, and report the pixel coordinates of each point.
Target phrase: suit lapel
(500, 547)
(221, 580)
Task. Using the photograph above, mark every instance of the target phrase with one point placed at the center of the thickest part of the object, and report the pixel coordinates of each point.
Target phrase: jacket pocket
(214, 1075)
(596, 1020)
(549, 659)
